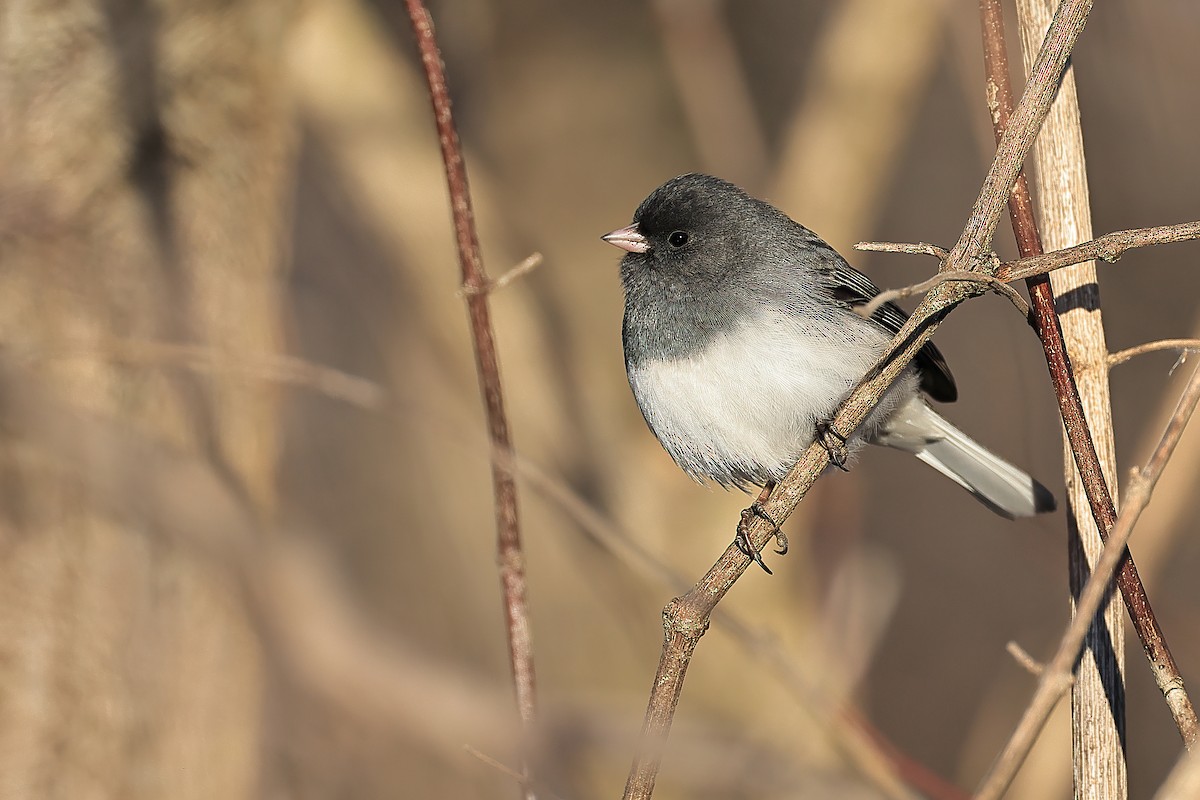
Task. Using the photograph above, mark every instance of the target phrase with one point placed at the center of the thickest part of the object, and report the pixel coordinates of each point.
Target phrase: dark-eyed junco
(741, 340)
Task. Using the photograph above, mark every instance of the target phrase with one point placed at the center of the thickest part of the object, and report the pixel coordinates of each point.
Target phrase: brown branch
(1108, 247)
(1098, 695)
(1186, 345)
(1026, 661)
(686, 618)
(519, 271)
(880, 760)
(475, 283)
(996, 285)
(1056, 678)
(1075, 423)
(914, 249)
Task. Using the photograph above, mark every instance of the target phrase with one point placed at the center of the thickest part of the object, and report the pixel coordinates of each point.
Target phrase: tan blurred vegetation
(227, 574)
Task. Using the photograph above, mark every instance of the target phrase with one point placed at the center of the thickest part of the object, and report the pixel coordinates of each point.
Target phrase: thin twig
(504, 769)
(1022, 657)
(1121, 356)
(686, 618)
(205, 359)
(970, 276)
(1056, 678)
(914, 249)
(511, 559)
(519, 271)
(1108, 247)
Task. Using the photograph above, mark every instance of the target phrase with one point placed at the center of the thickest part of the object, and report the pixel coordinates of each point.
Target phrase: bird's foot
(834, 444)
(742, 539)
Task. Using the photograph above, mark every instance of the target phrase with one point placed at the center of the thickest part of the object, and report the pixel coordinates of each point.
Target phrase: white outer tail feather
(918, 429)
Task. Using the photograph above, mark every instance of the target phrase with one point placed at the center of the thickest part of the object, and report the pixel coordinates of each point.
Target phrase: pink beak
(628, 239)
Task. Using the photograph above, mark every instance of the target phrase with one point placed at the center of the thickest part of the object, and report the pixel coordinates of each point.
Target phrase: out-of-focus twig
(1056, 678)
(201, 358)
(1022, 657)
(519, 271)
(505, 769)
(864, 76)
(685, 619)
(713, 89)
(1184, 781)
(511, 558)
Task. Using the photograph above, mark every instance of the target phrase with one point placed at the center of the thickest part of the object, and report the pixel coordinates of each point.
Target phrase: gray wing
(852, 287)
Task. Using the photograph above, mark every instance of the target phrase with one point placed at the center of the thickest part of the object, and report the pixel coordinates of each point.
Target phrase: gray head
(696, 227)
(699, 251)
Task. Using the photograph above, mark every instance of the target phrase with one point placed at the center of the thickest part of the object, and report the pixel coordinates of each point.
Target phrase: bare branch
(1090, 474)
(877, 758)
(1186, 345)
(1057, 676)
(1022, 657)
(1108, 247)
(511, 558)
(970, 276)
(503, 769)
(1097, 697)
(519, 271)
(917, 249)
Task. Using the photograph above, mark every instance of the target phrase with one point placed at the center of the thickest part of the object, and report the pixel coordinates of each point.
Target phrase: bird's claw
(834, 444)
(742, 539)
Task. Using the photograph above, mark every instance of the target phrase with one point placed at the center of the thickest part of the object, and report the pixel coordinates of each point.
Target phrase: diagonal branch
(475, 286)
(1056, 677)
(686, 618)
(1103, 509)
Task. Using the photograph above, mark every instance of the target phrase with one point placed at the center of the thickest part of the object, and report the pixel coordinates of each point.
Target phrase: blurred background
(248, 543)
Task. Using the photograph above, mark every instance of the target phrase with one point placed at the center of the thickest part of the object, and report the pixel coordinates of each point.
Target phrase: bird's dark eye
(677, 239)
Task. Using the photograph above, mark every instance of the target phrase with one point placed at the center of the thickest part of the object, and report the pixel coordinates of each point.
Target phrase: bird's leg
(834, 444)
(742, 540)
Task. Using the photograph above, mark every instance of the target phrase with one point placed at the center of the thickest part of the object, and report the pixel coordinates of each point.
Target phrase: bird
(741, 340)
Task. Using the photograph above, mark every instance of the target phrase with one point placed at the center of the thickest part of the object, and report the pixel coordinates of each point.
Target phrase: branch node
(1026, 661)
(489, 286)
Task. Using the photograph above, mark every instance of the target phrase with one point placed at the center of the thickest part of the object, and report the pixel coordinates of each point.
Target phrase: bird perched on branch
(741, 341)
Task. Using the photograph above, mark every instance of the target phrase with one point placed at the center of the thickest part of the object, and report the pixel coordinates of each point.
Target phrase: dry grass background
(231, 586)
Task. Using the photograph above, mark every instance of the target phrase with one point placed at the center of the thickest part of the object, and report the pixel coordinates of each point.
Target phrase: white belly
(745, 407)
